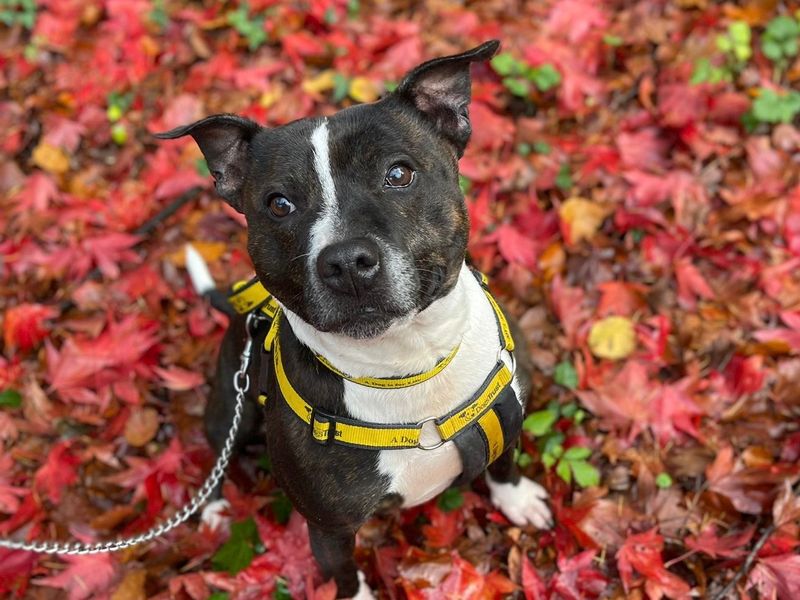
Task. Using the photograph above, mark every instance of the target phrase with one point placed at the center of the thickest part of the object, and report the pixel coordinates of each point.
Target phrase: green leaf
(724, 43)
(577, 453)
(739, 32)
(569, 410)
(245, 530)
(540, 422)
(563, 471)
(233, 556)
(541, 148)
(219, 596)
(281, 508)
(503, 63)
(252, 29)
(523, 149)
(450, 499)
(564, 178)
(612, 40)
(119, 133)
(782, 28)
(281, 592)
(548, 460)
(742, 53)
(771, 107)
(790, 47)
(565, 375)
(663, 480)
(238, 552)
(353, 8)
(701, 72)
(552, 444)
(465, 184)
(545, 77)
(524, 460)
(772, 49)
(518, 87)
(10, 398)
(158, 15)
(201, 166)
(586, 475)
(341, 87)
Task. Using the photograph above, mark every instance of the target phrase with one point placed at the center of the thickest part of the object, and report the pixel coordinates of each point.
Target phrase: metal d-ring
(419, 443)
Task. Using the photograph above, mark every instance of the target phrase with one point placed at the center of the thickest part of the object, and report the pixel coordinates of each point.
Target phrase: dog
(385, 342)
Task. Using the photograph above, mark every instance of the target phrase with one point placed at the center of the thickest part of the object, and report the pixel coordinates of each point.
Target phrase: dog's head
(355, 220)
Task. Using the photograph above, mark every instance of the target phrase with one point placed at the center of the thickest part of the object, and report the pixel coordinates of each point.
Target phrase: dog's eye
(399, 176)
(279, 206)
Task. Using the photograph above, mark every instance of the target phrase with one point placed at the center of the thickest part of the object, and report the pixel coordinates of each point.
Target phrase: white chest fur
(463, 316)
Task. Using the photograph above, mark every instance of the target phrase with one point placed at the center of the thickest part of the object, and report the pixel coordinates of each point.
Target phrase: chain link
(241, 383)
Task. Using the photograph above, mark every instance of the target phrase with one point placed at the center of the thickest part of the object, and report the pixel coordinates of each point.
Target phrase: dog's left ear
(440, 88)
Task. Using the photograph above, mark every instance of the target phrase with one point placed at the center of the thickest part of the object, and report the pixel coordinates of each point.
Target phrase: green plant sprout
(571, 463)
(780, 42)
(519, 77)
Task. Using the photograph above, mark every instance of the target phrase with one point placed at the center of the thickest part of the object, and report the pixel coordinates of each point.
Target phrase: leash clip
(241, 379)
(420, 424)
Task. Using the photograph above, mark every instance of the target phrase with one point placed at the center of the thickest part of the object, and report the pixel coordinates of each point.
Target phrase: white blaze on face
(322, 232)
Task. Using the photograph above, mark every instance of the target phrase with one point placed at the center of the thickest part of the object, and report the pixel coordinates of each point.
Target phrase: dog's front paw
(524, 503)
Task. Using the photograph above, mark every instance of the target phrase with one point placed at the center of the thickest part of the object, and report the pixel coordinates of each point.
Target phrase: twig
(751, 556)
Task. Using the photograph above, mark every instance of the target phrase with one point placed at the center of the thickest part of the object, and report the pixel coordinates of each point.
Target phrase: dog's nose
(350, 267)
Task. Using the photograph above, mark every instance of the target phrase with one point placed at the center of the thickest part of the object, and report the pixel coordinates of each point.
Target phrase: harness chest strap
(325, 428)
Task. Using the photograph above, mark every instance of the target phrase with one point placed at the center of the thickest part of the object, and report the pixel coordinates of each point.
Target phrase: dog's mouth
(364, 322)
(431, 282)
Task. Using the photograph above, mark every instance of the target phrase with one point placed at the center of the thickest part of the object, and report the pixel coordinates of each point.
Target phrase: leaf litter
(633, 186)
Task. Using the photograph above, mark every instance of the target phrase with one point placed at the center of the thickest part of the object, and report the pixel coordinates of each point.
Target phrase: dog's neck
(411, 345)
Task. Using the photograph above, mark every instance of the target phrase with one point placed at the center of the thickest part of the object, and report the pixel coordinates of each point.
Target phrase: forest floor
(633, 183)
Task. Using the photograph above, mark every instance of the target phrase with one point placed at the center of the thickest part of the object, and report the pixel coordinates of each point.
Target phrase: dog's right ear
(224, 141)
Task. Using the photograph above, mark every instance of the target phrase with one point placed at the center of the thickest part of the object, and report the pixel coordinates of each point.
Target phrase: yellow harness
(478, 410)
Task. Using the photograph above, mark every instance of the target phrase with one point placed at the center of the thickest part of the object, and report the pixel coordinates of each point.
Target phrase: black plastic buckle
(318, 416)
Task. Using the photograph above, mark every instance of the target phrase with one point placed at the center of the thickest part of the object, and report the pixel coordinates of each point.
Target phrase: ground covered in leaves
(633, 186)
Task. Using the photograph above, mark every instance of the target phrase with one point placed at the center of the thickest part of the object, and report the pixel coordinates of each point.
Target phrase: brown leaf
(132, 586)
(50, 158)
(142, 426)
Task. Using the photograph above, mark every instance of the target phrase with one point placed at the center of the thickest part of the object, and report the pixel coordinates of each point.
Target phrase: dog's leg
(522, 500)
(333, 550)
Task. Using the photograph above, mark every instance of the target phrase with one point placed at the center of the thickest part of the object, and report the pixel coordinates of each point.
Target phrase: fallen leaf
(580, 219)
(613, 338)
(363, 90)
(141, 426)
(50, 158)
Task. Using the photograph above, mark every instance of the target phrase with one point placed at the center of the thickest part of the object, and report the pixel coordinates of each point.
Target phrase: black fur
(424, 125)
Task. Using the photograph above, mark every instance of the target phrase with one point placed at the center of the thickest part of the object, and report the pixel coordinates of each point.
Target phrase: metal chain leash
(241, 383)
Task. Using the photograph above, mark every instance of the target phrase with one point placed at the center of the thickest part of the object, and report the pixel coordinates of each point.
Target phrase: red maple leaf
(81, 361)
(59, 470)
(568, 303)
(24, 325)
(729, 546)
(577, 579)
(85, 576)
(642, 552)
(532, 583)
(15, 571)
(9, 494)
(777, 577)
